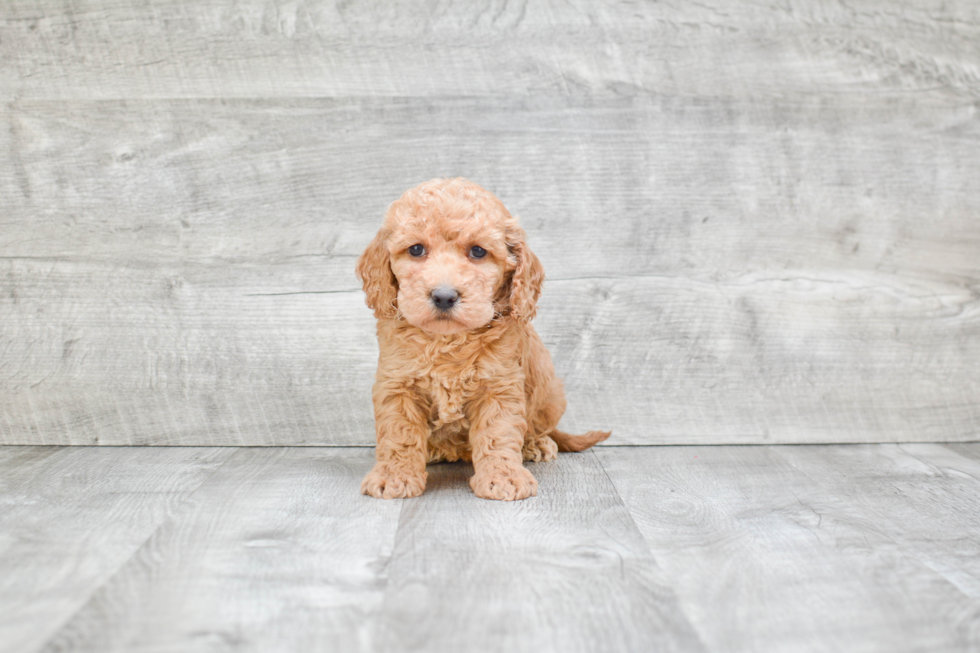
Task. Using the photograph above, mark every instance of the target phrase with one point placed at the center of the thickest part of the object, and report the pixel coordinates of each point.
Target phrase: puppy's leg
(403, 431)
(545, 401)
(497, 428)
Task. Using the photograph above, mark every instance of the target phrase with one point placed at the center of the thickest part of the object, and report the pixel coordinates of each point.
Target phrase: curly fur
(471, 383)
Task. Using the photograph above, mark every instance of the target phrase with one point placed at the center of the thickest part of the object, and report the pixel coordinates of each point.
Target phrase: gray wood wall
(760, 220)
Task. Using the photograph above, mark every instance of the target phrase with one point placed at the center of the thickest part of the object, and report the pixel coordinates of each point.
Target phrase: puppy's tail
(568, 442)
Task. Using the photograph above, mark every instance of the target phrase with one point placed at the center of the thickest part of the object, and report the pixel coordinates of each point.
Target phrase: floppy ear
(525, 285)
(377, 279)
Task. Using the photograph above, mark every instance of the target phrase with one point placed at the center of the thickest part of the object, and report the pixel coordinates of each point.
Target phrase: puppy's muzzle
(444, 298)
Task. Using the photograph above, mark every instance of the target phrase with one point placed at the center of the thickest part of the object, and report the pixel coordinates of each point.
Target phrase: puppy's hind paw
(384, 482)
(542, 449)
(504, 483)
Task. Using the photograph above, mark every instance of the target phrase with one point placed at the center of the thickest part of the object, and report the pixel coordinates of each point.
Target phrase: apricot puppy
(462, 374)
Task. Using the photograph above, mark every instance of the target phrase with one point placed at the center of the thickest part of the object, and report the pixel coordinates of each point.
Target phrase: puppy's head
(449, 258)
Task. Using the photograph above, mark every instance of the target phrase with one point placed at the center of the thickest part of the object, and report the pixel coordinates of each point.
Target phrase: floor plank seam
(692, 623)
(108, 580)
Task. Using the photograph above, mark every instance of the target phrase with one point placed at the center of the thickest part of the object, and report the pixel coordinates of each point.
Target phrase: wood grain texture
(765, 555)
(662, 185)
(769, 359)
(564, 571)
(797, 323)
(277, 551)
(113, 49)
(758, 358)
(929, 503)
(71, 517)
(174, 356)
(781, 548)
(758, 220)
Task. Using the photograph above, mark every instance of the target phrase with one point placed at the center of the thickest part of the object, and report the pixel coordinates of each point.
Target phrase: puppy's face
(449, 267)
(448, 258)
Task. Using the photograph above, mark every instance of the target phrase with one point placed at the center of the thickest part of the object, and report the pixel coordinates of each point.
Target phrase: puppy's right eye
(416, 250)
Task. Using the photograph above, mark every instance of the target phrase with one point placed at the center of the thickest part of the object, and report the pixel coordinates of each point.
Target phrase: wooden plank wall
(760, 220)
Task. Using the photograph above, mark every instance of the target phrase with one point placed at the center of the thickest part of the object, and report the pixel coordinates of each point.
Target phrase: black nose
(444, 297)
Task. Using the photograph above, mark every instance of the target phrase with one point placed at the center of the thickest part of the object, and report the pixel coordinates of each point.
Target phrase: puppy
(462, 374)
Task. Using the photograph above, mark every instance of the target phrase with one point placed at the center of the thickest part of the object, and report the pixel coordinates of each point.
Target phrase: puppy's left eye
(477, 252)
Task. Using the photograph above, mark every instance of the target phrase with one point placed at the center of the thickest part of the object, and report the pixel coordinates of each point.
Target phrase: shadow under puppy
(462, 374)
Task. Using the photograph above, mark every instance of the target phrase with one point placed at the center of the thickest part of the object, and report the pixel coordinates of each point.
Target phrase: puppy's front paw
(386, 482)
(504, 483)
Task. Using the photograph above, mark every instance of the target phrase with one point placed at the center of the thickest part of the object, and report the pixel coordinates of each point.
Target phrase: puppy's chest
(449, 390)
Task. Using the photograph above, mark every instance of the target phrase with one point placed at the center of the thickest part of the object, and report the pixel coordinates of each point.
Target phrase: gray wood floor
(727, 548)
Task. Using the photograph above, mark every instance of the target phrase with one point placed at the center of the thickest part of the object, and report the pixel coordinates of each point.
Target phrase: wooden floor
(724, 548)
